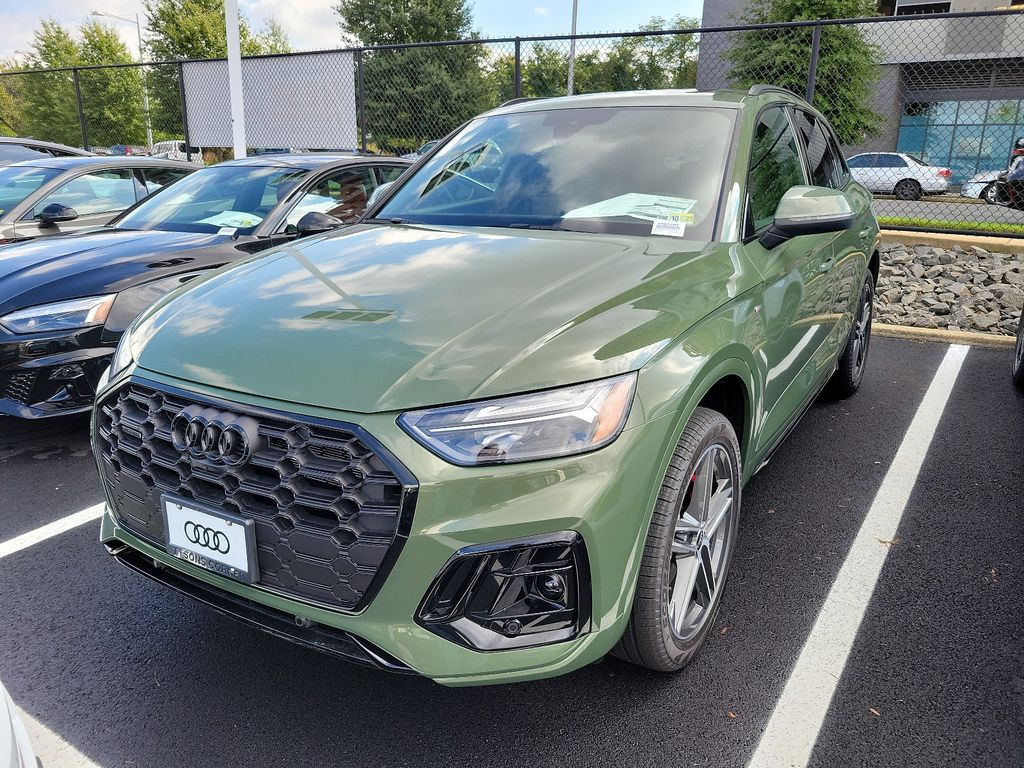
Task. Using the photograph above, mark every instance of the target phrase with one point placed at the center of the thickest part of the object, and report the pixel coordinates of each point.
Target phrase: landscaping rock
(961, 288)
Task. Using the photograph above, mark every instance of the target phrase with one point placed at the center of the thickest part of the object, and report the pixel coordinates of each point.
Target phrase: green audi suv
(501, 427)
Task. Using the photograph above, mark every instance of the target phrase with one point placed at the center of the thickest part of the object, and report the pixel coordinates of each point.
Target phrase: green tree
(847, 64)
(632, 63)
(11, 99)
(416, 94)
(48, 98)
(193, 29)
(111, 98)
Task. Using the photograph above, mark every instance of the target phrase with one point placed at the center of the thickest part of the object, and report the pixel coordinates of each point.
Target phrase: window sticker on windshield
(226, 231)
(639, 206)
(668, 228)
(237, 219)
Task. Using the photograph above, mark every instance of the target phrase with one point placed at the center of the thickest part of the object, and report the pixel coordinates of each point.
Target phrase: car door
(796, 283)
(850, 248)
(96, 196)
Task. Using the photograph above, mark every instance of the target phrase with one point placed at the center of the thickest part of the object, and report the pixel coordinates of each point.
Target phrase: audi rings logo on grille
(216, 438)
(214, 540)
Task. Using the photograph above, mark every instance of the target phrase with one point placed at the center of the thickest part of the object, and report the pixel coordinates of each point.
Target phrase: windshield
(17, 183)
(639, 170)
(228, 199)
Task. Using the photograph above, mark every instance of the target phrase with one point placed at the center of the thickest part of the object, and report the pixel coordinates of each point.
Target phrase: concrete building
(951, 90)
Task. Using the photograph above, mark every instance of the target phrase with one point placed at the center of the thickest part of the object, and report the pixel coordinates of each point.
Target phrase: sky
(311, 24)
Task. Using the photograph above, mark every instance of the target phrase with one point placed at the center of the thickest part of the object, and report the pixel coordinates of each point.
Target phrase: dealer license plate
(210, 538)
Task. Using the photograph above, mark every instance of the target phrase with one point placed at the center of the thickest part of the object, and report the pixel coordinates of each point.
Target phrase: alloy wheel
(861, 335)
(700, 542)
(1018, 357)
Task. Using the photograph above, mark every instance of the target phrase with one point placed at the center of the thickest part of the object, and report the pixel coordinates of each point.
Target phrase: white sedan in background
(899, 174)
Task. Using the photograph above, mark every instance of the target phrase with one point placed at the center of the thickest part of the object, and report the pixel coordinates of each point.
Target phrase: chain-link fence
(928, 107)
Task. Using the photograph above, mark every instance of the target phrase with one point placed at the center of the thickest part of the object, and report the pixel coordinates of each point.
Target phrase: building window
(965, 136)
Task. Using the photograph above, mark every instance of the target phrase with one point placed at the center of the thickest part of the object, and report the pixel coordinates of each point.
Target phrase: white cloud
(309, 24)
(541, 10)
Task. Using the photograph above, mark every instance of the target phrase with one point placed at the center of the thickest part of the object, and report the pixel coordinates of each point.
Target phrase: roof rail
(757, 90)
(521, 100)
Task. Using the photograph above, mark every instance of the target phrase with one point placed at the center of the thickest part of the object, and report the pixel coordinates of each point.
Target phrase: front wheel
(1018, 356)
(990, 194)
(688, 549)
(850, 368)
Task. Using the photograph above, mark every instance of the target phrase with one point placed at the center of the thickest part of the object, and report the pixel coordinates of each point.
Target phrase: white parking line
(48, 531)
(792, 730)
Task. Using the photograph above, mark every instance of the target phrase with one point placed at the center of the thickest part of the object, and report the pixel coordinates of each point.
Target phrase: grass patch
(980, 227)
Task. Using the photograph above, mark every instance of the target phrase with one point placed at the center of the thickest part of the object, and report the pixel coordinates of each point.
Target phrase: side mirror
(314, 222)
(54, 213)
(376, 194)
(808, 211)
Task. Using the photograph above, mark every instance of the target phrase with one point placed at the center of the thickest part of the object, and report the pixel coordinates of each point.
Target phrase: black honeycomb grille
(330, 511)
(19, 387)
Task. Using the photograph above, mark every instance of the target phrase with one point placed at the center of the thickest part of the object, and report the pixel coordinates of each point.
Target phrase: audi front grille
(331, 507)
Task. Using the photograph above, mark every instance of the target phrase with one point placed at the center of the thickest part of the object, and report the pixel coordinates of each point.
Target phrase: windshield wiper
(523, 225)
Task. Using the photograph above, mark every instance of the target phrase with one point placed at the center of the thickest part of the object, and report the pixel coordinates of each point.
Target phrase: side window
(97, 192)
(893, 161)
(388, 173)
(821, 161)
(774, 167)
(342, 194)
(156, 178)
(858, 161)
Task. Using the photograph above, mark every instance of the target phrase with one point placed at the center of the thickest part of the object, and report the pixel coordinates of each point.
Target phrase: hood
(392, 317)
(90, 263)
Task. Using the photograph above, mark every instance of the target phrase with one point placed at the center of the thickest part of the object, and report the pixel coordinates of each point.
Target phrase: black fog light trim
(511, 594)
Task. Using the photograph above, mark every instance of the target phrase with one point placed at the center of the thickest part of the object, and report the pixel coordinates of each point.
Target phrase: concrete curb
(942, 335)
(939, 240)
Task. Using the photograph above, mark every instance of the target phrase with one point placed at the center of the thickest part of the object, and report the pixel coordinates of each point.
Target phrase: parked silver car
(982, 186)
(65, 194)
(15, 748)
(899, 174)
(14, 150)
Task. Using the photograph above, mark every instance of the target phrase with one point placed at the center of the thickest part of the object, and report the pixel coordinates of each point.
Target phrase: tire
(990, 194)
(853, 361)
(682, 548)
(1018, 356)
(907, 189)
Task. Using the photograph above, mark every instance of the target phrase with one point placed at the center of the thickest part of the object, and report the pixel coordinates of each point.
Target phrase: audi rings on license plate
(210, 538)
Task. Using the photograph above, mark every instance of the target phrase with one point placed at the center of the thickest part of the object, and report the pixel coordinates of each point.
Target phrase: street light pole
(145, 88)
(572, 48)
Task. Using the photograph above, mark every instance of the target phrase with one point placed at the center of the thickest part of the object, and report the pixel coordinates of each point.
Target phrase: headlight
(60, 316)
(542, 425)
(122, 357)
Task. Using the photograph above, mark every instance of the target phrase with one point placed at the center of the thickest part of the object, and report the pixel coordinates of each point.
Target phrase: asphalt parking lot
(116, 671)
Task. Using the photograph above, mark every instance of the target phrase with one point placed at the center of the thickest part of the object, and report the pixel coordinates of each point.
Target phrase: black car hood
(103, 261)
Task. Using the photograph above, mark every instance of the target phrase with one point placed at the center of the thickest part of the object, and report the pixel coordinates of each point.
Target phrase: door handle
(865, 234)
(826, 266)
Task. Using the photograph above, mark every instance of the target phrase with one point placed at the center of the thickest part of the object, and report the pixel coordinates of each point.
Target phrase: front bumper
(605, 497)
(51, 374)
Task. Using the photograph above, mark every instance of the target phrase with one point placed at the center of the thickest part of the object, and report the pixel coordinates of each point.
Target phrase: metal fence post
(184, 110)
(517, 73)
(81, 110)
(812, 70)
(361, 99)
